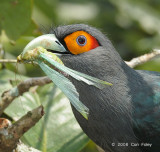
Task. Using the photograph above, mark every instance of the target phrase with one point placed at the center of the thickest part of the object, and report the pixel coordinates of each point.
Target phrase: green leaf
(45, 12)
(57, 130)
(15, 17)
(4, 84)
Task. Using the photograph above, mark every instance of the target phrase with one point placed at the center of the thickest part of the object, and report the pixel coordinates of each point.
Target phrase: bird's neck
(110, 108)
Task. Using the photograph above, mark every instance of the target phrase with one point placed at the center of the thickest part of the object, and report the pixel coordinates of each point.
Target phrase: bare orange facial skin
(80, 42)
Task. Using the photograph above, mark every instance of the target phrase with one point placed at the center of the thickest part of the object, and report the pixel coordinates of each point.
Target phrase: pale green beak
(48, 42)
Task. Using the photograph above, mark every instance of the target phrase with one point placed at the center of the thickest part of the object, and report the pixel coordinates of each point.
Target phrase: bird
(123, 117)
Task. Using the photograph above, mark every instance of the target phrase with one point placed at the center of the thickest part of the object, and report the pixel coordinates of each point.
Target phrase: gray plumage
(127, 111)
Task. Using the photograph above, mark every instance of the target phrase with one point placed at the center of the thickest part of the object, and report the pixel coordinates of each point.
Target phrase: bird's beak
(48, 42)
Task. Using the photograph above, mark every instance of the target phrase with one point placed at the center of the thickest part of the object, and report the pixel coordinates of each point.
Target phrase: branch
(8, 61)
(11, 135)
(132, 63)
(10, 95)
(143, 59)
(3, 61)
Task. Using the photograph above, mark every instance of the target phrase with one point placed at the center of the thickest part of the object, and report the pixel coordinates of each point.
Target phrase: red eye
(80, 42)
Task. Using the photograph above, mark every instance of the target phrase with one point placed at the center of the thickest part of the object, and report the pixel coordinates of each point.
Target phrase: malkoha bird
(123, 117)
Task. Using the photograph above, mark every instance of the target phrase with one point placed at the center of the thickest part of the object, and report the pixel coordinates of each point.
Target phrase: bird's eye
(81, 40)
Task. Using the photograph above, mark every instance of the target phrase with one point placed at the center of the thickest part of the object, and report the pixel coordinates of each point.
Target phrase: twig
(132, 63)
(10, 136)
(8, 61)
(143, 59)
(13, 61)
(10, 95)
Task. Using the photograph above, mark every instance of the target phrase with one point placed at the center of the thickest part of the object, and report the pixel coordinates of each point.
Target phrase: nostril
(58, 43)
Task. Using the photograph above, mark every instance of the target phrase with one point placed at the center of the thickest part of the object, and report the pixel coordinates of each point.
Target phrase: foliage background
(133, 26)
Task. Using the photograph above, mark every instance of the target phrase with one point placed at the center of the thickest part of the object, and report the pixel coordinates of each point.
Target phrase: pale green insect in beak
(36, 51)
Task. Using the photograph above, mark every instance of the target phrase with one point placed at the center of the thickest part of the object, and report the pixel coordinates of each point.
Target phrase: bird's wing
(147, 105)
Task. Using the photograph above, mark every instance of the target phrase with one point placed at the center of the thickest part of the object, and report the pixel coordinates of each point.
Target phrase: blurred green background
(133, 26)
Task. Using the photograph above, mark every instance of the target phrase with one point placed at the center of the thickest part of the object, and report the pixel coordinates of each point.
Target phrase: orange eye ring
(80, 42)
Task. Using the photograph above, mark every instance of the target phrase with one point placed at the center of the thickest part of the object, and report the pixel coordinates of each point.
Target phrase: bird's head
(80, 47)
(87, 49)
